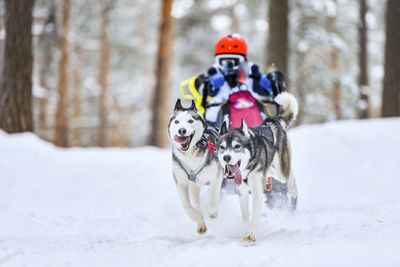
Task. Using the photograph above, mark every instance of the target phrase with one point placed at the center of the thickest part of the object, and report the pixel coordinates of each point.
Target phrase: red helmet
(231, 44)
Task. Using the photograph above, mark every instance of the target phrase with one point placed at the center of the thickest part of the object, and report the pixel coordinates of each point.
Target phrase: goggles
(229, 61)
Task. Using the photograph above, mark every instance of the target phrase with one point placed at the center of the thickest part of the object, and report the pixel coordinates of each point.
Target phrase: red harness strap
(268, 186)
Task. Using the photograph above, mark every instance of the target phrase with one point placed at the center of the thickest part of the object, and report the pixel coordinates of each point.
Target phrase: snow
(119, 207)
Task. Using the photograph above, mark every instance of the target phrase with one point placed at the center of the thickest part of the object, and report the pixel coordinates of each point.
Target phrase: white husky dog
(194, 161)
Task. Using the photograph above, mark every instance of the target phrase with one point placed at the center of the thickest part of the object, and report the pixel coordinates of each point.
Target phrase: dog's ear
(178, 105)
(193, 106)
(244, 128)
(223, 129)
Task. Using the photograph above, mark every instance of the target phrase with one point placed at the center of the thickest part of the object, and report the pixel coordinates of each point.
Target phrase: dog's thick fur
(249, 155)
(193, 168)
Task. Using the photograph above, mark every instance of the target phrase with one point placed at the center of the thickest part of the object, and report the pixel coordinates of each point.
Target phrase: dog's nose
(227, 158)
(182, 131)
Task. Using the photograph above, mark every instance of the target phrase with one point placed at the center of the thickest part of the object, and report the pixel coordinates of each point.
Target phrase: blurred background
(107, 72)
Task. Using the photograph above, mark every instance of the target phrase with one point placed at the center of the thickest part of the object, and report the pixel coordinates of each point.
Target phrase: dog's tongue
(237, 174)
(180, 139)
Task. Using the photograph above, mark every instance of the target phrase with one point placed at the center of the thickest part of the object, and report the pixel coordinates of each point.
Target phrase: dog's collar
(204, 143)
(200, 143)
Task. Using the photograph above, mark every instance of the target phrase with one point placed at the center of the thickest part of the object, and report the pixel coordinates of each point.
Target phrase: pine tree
(160, 103)
(61, 119)
(277, 47)
(391, 83)
(16, 84)
(363, 105)
(76, 96)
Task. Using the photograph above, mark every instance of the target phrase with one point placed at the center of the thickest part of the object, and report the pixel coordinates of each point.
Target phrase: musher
(232, 73)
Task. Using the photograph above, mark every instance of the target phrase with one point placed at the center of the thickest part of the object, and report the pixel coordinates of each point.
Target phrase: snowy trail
(119, 207)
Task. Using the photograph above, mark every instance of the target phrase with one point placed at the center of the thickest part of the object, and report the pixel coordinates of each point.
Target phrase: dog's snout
(227, 158)
(182, 131)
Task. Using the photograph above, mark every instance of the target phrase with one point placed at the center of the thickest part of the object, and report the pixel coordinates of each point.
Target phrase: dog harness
(192, 174)
(209, 149)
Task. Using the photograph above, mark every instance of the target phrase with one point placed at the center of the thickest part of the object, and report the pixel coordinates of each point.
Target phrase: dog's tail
(289, 108)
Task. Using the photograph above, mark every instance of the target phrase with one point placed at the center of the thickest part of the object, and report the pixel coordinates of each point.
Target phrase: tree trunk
(334, 56)
(160, 103)
(16, 85)
(277, 47)
(76, 97)
(363, 105)
(391, 82)
(103, 72)
(61, 119)
(1, 48)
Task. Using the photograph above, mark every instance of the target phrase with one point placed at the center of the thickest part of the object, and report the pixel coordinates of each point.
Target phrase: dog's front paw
(202, 228)
(250, 238)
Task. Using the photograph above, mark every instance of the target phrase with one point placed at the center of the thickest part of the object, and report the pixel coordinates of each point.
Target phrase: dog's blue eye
(190, 121)
(176, 121)
(221, 147)
(237, 146)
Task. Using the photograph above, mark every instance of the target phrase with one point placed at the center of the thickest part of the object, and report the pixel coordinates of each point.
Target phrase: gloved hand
(266, 84)
(217, 80)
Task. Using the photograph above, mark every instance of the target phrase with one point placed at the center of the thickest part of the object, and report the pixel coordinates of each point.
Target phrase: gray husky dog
(195, 161)
(248, 155)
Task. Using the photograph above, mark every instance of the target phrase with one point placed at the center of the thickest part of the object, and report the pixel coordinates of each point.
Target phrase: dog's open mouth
(233, 172)
(184, 141)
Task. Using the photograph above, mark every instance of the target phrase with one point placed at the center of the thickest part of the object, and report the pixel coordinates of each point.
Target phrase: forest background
(106, 73)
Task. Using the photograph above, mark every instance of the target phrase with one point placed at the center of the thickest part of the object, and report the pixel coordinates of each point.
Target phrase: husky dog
(194, 161)
(249, 154)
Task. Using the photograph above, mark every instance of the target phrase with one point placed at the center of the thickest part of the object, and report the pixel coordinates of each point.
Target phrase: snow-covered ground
(119, 207)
